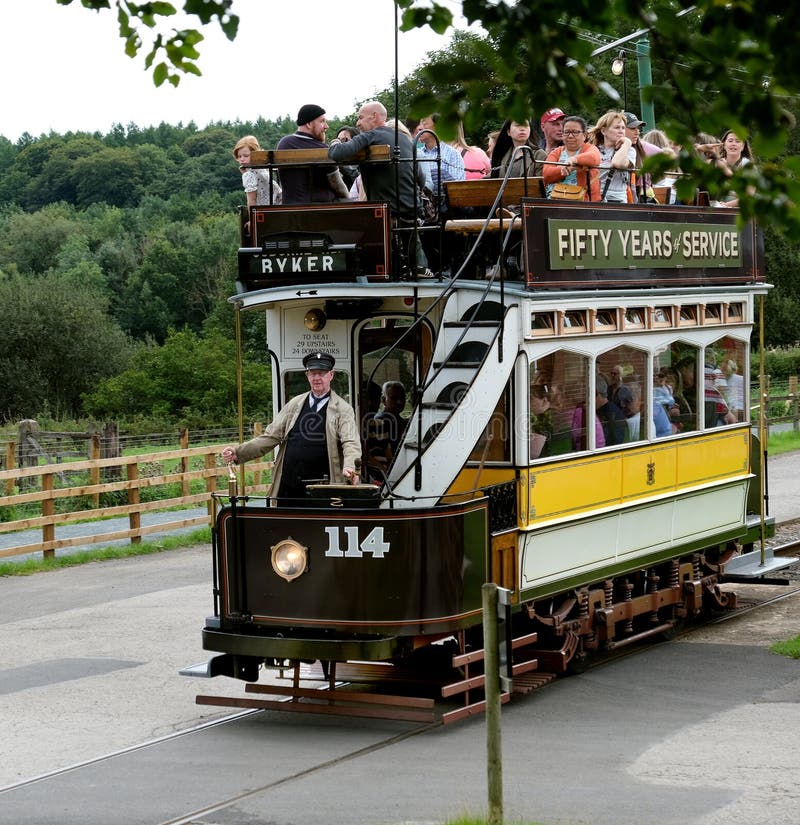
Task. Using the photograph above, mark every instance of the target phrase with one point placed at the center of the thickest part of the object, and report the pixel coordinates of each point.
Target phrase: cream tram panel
(592, 544)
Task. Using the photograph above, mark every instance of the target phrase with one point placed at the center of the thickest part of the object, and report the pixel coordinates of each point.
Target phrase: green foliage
(191, 380)
(57, 340)
(168, 55)
(782, 363)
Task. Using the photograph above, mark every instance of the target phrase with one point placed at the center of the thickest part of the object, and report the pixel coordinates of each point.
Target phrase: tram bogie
(506, 471)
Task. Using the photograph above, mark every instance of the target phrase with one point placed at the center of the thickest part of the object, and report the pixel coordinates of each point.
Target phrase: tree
(191, 378)
(178, 49)
(56, 342)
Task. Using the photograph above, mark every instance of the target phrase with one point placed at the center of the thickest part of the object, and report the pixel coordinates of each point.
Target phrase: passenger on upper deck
(491, 142)
(393, 184)
(618, 157)
(476, 161)
(317, 435)
(452, 164)
(310, 184)
(508, 152)
(734, 155)
(349, 172)
(552, 126)
(382, 181)
(577, 155)
(643, 149)
(257, 183)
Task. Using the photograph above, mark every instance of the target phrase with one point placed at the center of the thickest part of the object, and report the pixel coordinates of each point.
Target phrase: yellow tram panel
(586, 484)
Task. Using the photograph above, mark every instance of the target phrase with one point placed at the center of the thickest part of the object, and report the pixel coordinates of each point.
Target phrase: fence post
(184, 436)
(26, 453)
(94, 472)
(135, 516)
(48, 509)
(793, 398)
(11, 463)
(211, 482)
(109, 448)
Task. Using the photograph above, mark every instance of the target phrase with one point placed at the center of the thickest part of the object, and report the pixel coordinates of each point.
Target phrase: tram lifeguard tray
(350, 495)
(315, 244)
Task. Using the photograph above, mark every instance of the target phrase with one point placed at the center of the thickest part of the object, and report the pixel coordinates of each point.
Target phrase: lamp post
(617, 69)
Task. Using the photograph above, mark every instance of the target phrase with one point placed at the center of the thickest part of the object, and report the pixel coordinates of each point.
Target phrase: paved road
(699, 731)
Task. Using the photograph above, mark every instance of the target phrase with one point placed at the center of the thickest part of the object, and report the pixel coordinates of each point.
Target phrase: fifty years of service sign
(600, 244)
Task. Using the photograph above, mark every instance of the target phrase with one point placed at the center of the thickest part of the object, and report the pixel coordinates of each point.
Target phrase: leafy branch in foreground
(178, 49)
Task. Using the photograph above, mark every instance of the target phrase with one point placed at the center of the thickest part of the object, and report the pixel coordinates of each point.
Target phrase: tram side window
(494, 443)
(725, 400)
(677, 386)
(623, 412)
(558, 399)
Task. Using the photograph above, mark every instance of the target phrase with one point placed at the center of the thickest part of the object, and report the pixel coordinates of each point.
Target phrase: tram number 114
(373, 543)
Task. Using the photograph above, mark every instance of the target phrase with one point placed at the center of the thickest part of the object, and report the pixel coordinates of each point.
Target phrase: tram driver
(317, 435)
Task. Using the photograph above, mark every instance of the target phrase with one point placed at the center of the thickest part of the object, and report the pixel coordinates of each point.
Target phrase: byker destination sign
(606, 245)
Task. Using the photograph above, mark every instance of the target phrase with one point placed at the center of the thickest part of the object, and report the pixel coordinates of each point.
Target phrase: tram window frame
(687, 315)
(605, 320)
(543, 323)
(661, 317)
(574, 322)
(712, 314)
(635, 318)
(734, 312)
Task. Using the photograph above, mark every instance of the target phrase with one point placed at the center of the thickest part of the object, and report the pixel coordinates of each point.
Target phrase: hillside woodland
(118, 255)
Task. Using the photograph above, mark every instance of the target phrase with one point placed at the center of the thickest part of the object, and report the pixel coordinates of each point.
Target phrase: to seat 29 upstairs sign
(622, 244)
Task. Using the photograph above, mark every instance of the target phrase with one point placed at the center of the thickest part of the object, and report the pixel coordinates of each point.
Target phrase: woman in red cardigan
(575, 162)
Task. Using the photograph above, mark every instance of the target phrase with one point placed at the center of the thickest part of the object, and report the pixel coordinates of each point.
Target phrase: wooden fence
(43, 486)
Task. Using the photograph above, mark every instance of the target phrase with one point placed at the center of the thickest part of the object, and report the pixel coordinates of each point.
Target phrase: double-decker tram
(576, 430)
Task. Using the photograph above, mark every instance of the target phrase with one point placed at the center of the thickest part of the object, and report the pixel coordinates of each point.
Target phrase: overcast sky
(63, 68)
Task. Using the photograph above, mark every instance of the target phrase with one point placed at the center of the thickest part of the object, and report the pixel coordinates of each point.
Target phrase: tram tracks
(232, 796)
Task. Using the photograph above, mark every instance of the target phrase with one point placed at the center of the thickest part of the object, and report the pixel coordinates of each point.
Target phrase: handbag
(568, 191)
(428, 208)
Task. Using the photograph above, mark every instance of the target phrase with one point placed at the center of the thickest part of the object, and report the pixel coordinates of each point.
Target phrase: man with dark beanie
(310, 184)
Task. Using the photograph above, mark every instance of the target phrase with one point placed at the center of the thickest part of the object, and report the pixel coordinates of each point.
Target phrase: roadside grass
(30, 566)
(790, 648)
(784, 442)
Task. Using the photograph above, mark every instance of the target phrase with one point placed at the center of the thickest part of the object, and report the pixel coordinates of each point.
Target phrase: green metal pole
(647, 114)
(491, 663)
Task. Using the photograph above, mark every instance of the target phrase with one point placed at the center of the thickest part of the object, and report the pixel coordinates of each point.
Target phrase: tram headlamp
(289, 559)
(314, 320)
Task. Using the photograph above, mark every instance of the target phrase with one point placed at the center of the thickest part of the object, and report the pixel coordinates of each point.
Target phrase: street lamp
(617, 69)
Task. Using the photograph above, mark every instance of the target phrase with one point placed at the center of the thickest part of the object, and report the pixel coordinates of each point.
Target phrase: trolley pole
(491, 661)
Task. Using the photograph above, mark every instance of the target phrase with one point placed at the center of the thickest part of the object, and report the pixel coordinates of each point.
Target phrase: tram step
(750, 566)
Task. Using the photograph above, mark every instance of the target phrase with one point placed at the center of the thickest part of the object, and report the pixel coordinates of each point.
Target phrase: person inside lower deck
(386, 428)
(317, 435)
(611, 416)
